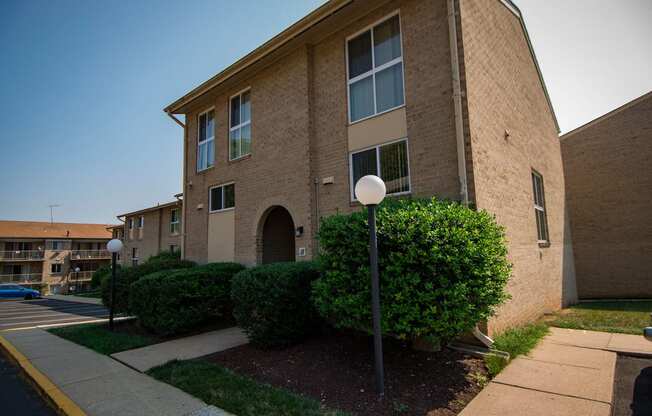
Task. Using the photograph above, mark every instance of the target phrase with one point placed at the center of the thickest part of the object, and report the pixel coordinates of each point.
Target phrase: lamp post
(114, 246)
(370, 191)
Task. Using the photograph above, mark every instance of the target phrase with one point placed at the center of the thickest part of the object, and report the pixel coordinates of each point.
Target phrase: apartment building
(52, 257)
(437, 97)
(150, 231)
(608, 187)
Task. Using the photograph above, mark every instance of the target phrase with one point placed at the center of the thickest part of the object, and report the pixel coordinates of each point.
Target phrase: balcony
(21, 279)
(21, 255)
(89, 254)
(81, 276)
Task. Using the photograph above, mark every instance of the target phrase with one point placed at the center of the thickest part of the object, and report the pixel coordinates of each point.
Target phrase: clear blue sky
(84, 83)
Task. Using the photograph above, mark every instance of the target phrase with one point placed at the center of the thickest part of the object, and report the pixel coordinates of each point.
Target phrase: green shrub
(443, 268)
(272, 303)
(125, 276)
(100, 274)
(175, 301)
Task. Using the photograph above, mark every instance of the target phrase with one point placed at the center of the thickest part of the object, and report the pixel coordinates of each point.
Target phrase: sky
(84, 83)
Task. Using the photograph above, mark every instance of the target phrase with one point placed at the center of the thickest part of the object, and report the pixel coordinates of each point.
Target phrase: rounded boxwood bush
(443, 268)
(175, 301)
(125, 276)
(272, 303)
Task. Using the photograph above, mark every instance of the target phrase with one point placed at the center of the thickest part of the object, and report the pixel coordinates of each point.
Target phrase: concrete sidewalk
(570, 373)
(186, 348)
(86, 382)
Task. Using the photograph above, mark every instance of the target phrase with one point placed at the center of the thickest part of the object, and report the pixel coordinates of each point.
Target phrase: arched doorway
(278, 236)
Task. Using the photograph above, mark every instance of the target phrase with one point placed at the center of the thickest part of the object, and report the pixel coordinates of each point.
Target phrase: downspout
(459, 129)
(182, 242)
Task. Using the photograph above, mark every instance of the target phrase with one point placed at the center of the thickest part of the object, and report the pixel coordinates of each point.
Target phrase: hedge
(125, 276)
(175, 301)
(443, 268)
(272, 303)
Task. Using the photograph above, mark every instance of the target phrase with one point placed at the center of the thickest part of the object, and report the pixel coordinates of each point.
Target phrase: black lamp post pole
(375, 302)
(113, 266)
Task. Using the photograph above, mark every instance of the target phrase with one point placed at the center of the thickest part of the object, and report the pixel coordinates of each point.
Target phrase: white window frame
(377, 148)
(209, 164)
(372, 72)
(210, 191)
(540, 208)
(174, 223)
(141, 222)
(241, 125)
(131, 223)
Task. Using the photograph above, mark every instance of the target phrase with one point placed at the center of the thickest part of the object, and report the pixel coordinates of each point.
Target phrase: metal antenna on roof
(51, 216)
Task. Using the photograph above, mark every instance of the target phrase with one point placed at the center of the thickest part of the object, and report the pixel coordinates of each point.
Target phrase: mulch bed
(337, 369)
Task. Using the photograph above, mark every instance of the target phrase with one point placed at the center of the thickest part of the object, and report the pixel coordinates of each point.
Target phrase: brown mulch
(337, 369)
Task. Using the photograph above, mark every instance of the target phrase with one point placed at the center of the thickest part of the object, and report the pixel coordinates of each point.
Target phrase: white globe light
(370, 190)
(114, 245)
(77, 269)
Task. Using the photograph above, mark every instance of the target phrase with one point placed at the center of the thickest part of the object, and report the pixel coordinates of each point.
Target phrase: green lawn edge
(515, 341)
(99, 338)
(235, 393)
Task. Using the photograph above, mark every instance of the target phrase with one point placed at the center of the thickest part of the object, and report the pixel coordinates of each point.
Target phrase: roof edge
(152, 208)
(607, 114)
(517, 12)
(260, 52)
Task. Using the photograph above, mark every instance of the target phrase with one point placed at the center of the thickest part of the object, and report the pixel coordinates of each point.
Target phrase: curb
(62, 402)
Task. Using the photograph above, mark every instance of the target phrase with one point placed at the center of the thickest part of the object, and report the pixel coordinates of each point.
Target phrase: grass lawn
(234, 393)
(97, 337)
(622, 317)
(93, 294)
(515, 341)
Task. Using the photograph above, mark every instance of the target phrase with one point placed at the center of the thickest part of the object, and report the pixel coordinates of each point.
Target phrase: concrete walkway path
(96, 384)
(186, 348)
(570, 373)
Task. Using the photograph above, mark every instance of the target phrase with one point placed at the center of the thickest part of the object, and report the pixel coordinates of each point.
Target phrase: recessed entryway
(278, 236)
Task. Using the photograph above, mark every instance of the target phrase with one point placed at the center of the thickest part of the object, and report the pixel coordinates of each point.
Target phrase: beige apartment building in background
(608, 167)
(52, 257)
(150, 231)
(437, 97)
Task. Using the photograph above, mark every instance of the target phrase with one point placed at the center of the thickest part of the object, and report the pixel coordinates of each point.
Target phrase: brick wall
(608, 186)
(503, 93)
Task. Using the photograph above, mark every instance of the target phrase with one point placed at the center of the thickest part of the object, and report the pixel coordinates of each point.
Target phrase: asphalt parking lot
(21, 314)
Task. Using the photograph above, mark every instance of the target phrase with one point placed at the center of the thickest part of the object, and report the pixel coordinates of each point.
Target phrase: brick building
(52, 257)
(434, 102)
(608, 188)
(150, 231)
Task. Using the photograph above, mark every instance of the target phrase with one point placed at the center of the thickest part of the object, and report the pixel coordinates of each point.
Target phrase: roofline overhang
(307, 22)
(150, 209)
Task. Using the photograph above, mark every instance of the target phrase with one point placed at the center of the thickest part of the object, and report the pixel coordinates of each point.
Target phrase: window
(375, 70)
(131, 223)
(174, 221)
(141, 221)
(222, 197)
(206, 140)
(240, 125)
(55, 268)
(134, 256)
(540, 208)
(57, 245)
(173, 248)
(388, 161)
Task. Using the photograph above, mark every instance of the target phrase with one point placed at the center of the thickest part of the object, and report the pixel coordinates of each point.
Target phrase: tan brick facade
(154, 237)
(300, 137)
(608, 185)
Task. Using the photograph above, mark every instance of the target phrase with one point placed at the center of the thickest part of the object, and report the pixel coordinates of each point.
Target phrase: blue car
(13, 291)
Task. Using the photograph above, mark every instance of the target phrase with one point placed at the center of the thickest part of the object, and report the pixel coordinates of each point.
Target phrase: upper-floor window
(141, 221)
(240, 125)
(375, 70)
(540, 208)
(388, 161)
(55, 268)
(131, 223)
(174, 221)
(57, 245)
(206, 140)
(222, 197)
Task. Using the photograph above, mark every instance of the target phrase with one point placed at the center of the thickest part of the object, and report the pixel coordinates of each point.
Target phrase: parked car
(13, 291)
